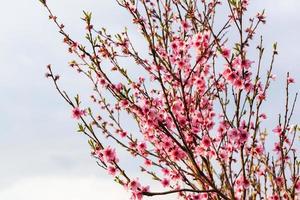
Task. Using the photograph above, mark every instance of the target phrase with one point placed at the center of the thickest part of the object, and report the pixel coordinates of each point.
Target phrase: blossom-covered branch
(194, 95)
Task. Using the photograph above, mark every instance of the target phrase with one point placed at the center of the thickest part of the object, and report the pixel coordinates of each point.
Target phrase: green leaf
(87, 17)
(234, 3)
(89, 111)
(91, 143)
(77, 100)
(275, 46)
(80, 128)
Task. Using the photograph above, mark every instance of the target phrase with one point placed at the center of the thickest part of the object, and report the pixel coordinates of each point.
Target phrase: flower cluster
(195, 99)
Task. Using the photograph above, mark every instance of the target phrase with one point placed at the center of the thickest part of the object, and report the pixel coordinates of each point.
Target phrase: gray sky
(42, 157)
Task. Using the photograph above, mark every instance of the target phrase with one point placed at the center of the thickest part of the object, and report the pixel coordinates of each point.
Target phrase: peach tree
(194, 95)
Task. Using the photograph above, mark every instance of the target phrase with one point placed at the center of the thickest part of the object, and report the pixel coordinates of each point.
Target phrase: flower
(290, 80)
(277, 130)
(148, 162)
(279, 181)
(102, 82)
(124, 103)
(277, 147)
(177, 154)
(112, 170)
(263, 116)
(261, 17)
(246, 64)
(185, 25)
(109, 154)
(225, 52)
(167, 172)
(165, 182)
(238, 83)
(259, 150)
(239, 136)
(123, 134)
(274, 197)
(142, 147)
(297, 186)
(134, 185)
(77, 113)
(206, 141)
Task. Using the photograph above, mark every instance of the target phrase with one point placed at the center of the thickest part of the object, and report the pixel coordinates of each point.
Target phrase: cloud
(63, 188)
(69, 188)
(289, 7)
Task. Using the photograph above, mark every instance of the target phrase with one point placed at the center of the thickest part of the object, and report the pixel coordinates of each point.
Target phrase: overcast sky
(41, 156)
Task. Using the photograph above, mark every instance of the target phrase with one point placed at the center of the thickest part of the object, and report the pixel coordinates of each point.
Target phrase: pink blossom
(248, 86)
(279, 181)
(261, 96)
(148, 162)
(238, 84)
(177, 106)
(261, 17)
(199, 150)
(134, 185)
(259, 150)
(138, 194)
(185, 25)
(177, 154)
(206, 141)
(165, 171)
(165, 182)
(297, 185)
(290, 80)
(77, 113)
(142, 147)
(119, 87)
(238, 136)
(242, 182)
(277, 130)
(102, 82)
(223, 154)
(243, 137)
(274, 197)
(123, 134)
(109, 154)
(263, 116)
(277, 148)
(124, 103)
(232, 77)
(112, 170)
(225, 52)
(246, 64)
